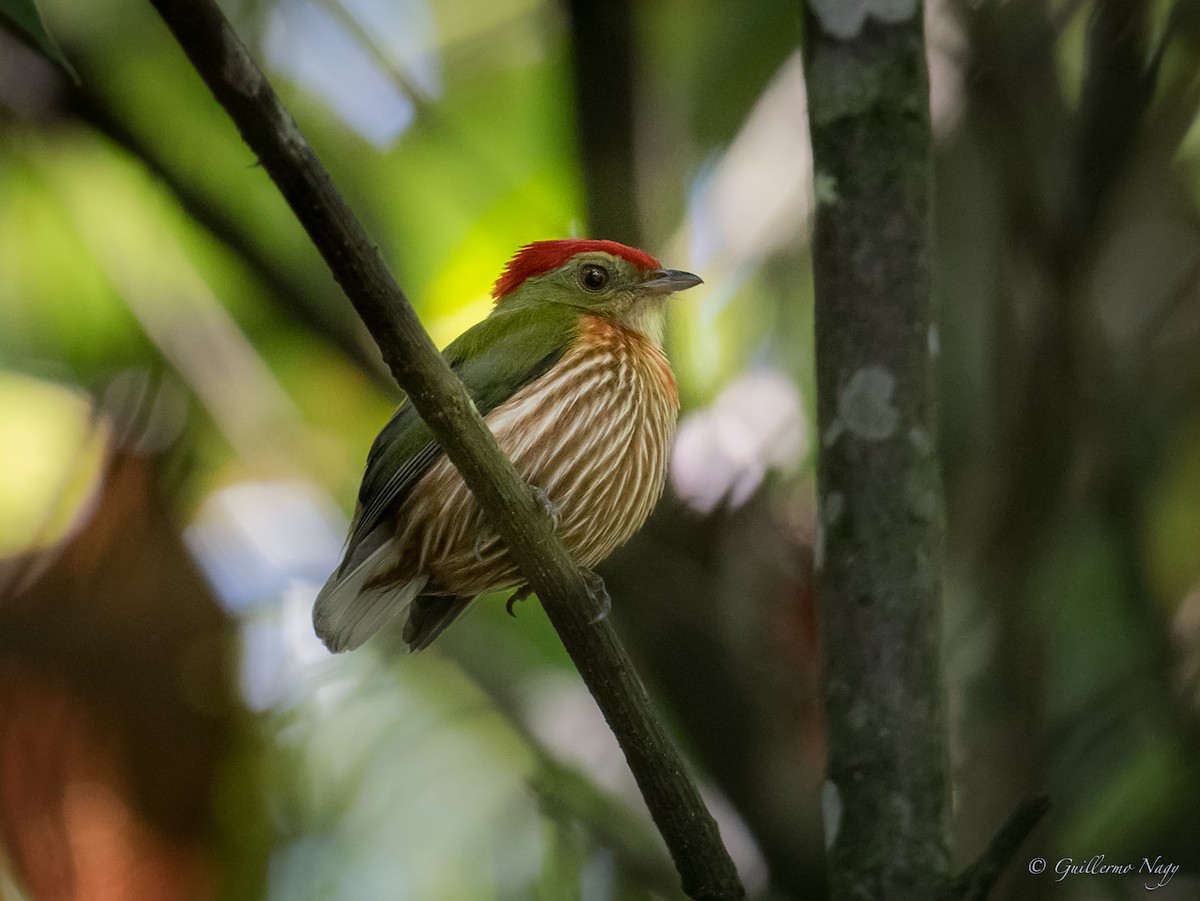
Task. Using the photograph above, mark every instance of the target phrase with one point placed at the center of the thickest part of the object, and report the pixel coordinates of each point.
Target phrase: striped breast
(594, 433)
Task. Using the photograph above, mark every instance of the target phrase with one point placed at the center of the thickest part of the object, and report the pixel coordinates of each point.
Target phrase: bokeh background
(186, 401)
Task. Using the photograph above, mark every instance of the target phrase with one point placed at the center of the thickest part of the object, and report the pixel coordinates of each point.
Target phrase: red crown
(541, 257)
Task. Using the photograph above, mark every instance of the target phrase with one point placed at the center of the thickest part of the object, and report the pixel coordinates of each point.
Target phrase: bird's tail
(353, 605)
(429, 616)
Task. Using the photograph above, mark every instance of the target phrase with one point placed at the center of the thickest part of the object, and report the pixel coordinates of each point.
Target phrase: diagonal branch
(674, 803)
(978, 880)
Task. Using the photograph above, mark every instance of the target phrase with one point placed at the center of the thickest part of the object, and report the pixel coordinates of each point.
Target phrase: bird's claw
(548, 507)
(598, 595)
(516, 597)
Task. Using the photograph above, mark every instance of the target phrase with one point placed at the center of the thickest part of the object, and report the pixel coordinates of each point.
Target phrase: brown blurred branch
(236, 81)
(879, 584)
(118, 711)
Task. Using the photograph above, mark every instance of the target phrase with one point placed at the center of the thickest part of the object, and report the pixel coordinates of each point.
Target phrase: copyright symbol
(1037, 865)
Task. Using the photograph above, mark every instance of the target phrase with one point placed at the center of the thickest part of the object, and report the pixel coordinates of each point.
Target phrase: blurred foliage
(136, 233)
(25, 22)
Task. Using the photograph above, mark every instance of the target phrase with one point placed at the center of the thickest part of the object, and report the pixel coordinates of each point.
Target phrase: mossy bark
(880, 555)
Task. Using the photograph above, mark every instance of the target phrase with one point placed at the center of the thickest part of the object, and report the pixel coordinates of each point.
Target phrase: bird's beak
(668, 281)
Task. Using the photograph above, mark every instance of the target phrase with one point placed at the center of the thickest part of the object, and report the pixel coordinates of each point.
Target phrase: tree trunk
(879, 556)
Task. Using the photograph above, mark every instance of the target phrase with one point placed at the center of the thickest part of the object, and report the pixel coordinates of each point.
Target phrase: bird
(568, 372)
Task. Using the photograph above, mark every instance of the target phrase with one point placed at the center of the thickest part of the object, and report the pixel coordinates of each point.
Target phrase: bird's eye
(594, 278)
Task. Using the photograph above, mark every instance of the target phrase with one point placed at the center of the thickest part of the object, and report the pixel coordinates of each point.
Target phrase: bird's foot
(548, 507)
(598, 595)
(516, 597)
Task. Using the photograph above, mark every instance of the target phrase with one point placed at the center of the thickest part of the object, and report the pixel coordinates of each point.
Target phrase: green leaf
(24, 20)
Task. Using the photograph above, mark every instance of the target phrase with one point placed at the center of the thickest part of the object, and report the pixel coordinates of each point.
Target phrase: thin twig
(235, 80)
(977, 881)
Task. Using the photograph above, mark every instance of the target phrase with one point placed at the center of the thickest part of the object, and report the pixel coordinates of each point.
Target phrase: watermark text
(1156, 872)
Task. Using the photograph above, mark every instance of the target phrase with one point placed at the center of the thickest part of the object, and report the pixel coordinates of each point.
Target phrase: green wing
(494, 359)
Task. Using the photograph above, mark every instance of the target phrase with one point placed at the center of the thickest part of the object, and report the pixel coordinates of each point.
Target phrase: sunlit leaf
(51, 452)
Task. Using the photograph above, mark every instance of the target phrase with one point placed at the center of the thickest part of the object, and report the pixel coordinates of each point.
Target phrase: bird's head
(608, 279)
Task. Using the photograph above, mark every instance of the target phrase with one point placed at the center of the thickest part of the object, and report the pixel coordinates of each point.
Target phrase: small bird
(569, 373)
